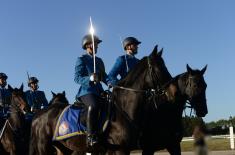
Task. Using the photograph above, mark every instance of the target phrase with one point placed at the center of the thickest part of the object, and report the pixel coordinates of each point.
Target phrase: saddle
(72, 121)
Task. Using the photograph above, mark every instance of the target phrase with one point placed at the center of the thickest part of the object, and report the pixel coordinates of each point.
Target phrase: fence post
(231, 137)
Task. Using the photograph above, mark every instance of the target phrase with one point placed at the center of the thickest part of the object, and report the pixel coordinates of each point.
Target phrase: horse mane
(134, 73)
(58, 99)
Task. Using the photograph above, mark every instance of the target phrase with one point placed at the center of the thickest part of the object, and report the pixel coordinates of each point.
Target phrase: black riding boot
(92, 139)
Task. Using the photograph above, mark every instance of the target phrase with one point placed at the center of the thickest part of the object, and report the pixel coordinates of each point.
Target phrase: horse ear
(22, 87)
(63, 93)
(53, 94)
(160, 53)
(10, 88)
(189, 70)
(154, 52)
(203, 70)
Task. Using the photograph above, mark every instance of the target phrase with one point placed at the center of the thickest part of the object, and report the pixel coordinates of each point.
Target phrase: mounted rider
(35, 98)
(90, 88)
(4, 95)
(125, 62)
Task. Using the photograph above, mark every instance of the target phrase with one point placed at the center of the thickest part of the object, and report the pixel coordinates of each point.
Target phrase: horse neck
(135, 77)
(131, 100)
(175, 91)
(58, 101)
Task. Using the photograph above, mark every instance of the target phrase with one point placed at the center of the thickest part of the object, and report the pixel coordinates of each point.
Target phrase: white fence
(229, 136)
(208, 137)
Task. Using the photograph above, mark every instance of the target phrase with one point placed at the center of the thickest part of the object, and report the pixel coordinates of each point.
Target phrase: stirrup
(92, 140)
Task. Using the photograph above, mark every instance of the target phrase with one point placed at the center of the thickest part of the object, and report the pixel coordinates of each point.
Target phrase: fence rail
(209, 137)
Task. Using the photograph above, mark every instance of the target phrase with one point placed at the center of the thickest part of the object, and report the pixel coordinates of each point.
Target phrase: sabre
(28, 75)
(93, 43)
(127, 68)
(31, 109)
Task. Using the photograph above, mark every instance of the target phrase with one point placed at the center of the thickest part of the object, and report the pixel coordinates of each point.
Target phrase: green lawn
(213, 144)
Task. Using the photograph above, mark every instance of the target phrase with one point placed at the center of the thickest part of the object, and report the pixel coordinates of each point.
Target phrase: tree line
(219, 127)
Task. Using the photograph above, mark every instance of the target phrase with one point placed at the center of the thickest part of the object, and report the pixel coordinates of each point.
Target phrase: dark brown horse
(41, 131)
(124, 129)
(163, 127)
(15, 133)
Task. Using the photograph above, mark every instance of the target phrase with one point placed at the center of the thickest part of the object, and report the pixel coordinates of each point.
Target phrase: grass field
(213, 144)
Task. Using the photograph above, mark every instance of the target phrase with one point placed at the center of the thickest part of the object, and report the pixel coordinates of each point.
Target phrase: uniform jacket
(5, 99)
(120, 67)
(36, 99)
(83, 70)
(5, 95)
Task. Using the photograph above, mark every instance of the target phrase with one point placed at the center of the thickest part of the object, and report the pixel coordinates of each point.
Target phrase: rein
(17, 108)
(152, 75)
(152, 93)
(4, 127)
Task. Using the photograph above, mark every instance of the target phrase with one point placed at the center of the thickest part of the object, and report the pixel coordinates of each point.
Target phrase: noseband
(189, 104)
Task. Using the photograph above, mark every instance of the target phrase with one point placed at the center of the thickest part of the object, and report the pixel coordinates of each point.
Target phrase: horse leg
(174, 149)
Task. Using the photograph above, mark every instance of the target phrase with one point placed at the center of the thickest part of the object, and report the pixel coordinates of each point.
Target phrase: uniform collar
(131, 56)
(88, 55)
(33, 90)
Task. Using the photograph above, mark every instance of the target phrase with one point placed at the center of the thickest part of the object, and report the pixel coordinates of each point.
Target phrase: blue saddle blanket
(68, 124)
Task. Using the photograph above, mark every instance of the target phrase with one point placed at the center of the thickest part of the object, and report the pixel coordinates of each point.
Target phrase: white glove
(92, 78)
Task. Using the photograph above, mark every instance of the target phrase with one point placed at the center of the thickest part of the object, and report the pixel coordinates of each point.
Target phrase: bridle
(20, 108)
(19, 103)
(189, 103)
(150, 93)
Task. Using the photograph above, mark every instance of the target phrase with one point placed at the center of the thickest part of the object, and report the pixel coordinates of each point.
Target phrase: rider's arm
(104, 75)
(44, 99)
(81, 74)
(115, 71)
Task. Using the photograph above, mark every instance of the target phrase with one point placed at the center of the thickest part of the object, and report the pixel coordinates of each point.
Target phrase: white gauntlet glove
(94, 77)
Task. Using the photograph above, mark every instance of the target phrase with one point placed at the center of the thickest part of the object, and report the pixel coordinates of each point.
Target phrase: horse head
(149, 73)
(18, 100)
(158, 72)
(58, 98)
(195, 90)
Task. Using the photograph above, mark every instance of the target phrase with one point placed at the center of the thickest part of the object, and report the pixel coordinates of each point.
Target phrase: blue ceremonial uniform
(120, 67)
(83, 70)
(5, 95)
(36, 99)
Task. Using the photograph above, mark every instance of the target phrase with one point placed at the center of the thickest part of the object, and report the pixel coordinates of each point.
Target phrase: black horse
(123, 132)
(15, 132)
(41, 131)
(163, 127)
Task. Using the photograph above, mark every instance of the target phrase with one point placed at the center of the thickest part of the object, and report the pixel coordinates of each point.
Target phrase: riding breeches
(93, 103)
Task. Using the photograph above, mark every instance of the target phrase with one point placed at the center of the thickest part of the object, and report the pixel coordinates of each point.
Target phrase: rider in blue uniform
(4, 95)
(125, 62)
(35, 98)
(90, 85)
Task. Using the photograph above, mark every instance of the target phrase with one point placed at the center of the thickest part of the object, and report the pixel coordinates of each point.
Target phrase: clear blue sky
(44, 38)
